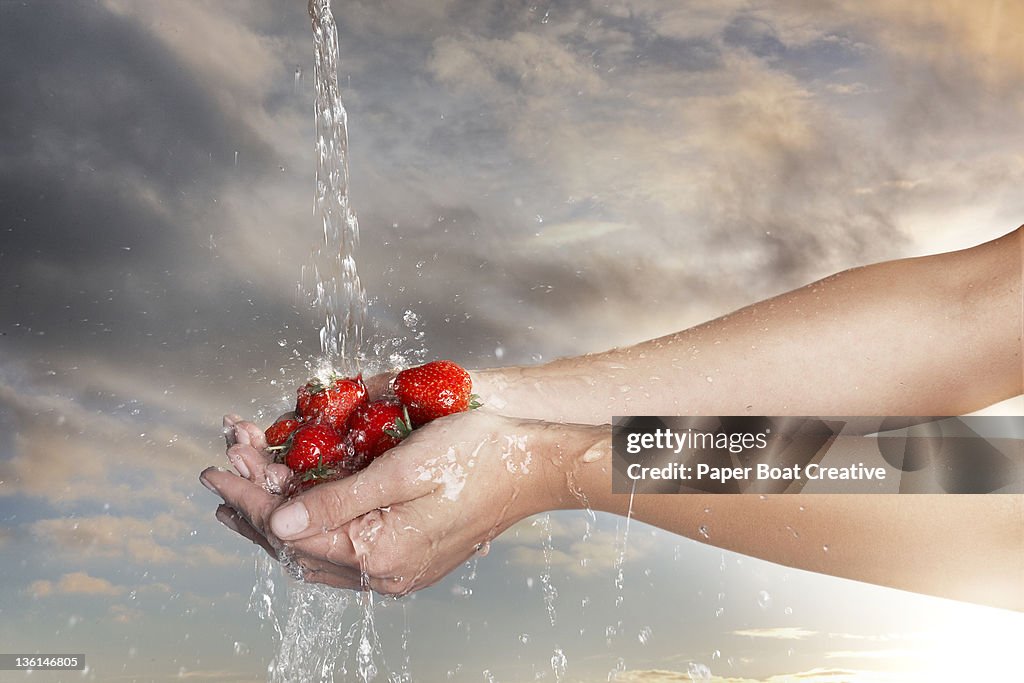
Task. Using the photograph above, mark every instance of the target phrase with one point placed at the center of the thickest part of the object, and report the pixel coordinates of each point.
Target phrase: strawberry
(314, 445)
(434, 390)
(279, 432)
(331, 403)
(374, 428)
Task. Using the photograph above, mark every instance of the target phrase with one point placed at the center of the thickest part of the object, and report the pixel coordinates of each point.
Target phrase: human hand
(422, 508)
(252, 495)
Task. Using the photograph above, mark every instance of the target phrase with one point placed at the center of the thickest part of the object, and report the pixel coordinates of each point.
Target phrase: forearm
(960, 547)
(933, 335)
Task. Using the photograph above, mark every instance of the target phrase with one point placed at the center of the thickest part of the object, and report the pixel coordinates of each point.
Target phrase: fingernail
(207, 484)
(239, 463)
(289, 520)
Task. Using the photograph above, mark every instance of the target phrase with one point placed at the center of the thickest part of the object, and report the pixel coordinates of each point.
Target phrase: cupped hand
(251, 496)
(425, 506)
(413, 514)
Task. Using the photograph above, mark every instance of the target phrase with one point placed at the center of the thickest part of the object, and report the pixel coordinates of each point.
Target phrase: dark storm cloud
(110, 150)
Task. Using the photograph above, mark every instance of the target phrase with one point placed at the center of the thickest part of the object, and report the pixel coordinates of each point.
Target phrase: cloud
(124, 615)
(75, 583)
(155, 541)
(780, 633)
(571, 549)
(67, 452)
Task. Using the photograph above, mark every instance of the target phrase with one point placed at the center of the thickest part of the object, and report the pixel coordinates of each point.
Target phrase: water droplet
(524, 638)
(788, 611)
(645, 635)
(282, 342)
(558, 665)
(764, 599)
(410, 319)
(698, 672)
(704, 531)
(709, 378)
(499, 352)
(824, 548)
(717, 654)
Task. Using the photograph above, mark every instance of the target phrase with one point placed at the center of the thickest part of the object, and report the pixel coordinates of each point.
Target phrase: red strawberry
(313, 445)
(279, 432)
(434, 390)
(332, 403)
(374, 428)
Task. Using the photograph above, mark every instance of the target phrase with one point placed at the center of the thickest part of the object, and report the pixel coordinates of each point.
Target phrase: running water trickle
(331, 281)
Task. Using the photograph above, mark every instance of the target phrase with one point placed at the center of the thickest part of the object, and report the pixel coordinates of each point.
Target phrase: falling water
(313, 642)
(331, 281)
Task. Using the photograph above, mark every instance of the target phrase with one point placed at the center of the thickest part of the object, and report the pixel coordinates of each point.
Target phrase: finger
(230, 518)
(311, 569)
(333, 579)
(249, 462)
(277, 476)
(252, 501)
(229, 428)
(379, 386)
(386, 481)
(335, 546)
(249, 433)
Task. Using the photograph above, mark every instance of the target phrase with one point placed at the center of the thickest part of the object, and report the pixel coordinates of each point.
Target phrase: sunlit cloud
(124, 615)
(565, 545)
(74, 583)
(779, 633)
(154, 541)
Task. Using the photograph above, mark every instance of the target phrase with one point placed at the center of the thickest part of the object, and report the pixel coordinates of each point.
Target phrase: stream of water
(331, 281)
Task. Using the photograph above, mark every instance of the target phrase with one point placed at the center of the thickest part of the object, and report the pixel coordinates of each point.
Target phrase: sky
(532, 180)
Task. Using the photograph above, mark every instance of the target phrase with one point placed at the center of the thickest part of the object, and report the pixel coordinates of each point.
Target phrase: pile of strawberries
(336, 430)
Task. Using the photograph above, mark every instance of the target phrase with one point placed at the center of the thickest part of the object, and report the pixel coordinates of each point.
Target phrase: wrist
(575, 466)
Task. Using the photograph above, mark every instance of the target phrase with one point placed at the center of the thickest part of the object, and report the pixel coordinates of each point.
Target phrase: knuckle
(326, 504)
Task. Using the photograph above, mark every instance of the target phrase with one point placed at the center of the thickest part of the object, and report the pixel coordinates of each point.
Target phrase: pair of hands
(414, 514)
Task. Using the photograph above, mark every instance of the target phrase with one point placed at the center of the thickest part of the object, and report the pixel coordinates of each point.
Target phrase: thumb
(386, 481)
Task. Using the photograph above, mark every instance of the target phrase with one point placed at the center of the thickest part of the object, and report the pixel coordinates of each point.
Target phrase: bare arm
(936, 335)
(963, 547)
(933, 335)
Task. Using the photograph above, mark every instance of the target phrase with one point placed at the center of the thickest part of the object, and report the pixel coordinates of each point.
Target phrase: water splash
(312, 646)
(620, 559)
(331, 281)
(559, 662)
(698, 672)
(550, 592)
